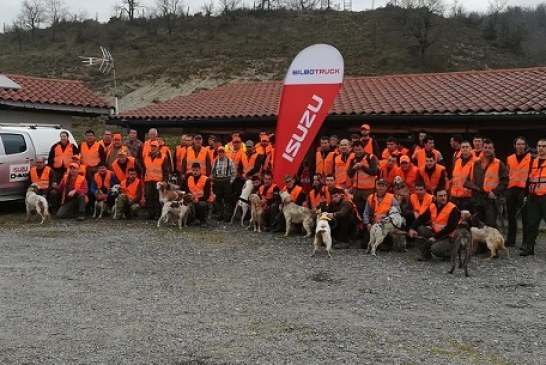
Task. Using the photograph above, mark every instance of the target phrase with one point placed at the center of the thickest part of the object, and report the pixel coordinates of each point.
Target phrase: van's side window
(13, 143)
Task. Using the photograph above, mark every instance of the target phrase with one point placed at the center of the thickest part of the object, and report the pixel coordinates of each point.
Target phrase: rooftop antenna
(106, 64)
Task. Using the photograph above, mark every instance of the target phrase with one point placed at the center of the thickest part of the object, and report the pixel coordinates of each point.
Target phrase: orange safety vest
(491, 176)
(103, 181)
(82, 170)
(324, 165)
(389, 175)
(340, 169)
(421, 156)
(460, 176)
(518, 171)
(421, 207)
(537, 178)
(296, 190)
(379, 211)
(90, 155)
(362, 180)
(263, 151)
(249, 162)
(201, 158)
(386, 153)
(198, 188)
(146, 148)
(267, 194)
(439, 221)
(315, 197)
(122, 174)
(130, 190)
(42, 180)
(236, 157)
(63, 158)
(80, 179)
(269, 160)
(106, 148)
(432, 182)
(154, 168)
(180, 154)
(410, 177)
(369, 147)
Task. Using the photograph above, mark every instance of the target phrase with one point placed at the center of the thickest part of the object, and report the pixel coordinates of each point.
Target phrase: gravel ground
(126, 292)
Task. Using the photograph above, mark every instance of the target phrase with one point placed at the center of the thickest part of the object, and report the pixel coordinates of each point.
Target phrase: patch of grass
(463, 351)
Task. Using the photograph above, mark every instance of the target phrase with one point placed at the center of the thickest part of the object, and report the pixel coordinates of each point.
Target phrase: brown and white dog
(168, 192)
(255, 212)
(36, 203)
(179, 208)
(242, 202)
(323, 234)
(392, 224)
(295, 214)
(492, 238)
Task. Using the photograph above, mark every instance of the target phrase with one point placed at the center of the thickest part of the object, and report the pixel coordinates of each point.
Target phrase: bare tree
(496, 6)
(31, 15)
(208, 8)
(302, 4)
(55, 11)
(128, 7)
(170, 11)
(421, 21)
(227, 6)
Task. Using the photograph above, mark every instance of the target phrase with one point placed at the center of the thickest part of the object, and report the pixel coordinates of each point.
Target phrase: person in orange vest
(128, 201)
(270, 157)
(154, 169)
(403, 150)
(102, 181)
(443, 217)
(536, 199)
(251, 161)
(297, 195)
(223, 175)
(341, 164)
(489, 181)
(91, 153)
(166, 151)
(388, 169)
(324, 158)
(123, 164)
(60, 156)
(42, 175)
(419, 203)
(462, 171)
(518, 165)
(264, 147)
(179, 154)
(419, 157)
(117, 147)
(145, 150)
(235, 137)
(368, 143)
(72, 193)
(455, 144)
(197, 153)
(343, 221)
(433, 175)
(420, 142)
(334, 143)
(477, 142)
(106, 141)
(82, 169)
(133, 144)
(409, 173)
(319, 196)
(271, 200)
(200, 187)
(391, 149)
(377, 207)
(363, 173)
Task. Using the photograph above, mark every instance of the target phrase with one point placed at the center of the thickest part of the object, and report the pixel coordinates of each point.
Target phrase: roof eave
(63, 108)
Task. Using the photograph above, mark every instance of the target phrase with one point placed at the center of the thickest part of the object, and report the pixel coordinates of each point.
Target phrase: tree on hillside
(208, 8)
(227, 6)
(421, 18)
(302, 4)
(31, 15)
(128, 7)
(169, 11)
(55, 11)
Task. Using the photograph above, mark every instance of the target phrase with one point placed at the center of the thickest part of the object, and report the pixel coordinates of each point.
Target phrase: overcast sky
(103, 9)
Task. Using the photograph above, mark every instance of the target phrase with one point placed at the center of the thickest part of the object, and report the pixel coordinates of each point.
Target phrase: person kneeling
(342, 213)
(128, 201)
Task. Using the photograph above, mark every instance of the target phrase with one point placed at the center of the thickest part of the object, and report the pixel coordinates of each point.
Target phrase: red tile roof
(489, 92)
(52, 91)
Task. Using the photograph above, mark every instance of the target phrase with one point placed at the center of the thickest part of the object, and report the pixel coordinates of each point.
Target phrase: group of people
(353, 180)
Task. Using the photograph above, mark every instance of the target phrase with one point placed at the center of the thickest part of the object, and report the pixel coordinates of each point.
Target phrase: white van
(20, 144)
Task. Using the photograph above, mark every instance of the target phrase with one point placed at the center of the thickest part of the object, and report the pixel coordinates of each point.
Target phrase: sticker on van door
(19, 172)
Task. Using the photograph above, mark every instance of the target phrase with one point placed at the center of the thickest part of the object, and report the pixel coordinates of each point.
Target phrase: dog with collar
(243, 202)
(392, 224)
(36, 203)
(295, 214)
(179, 208)
(323, 234)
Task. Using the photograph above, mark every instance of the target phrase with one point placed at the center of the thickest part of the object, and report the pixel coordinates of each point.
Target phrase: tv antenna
(106, 64)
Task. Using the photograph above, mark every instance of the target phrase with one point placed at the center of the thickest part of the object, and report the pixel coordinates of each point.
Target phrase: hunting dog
(100, 205)
(295, 214)
(179, 208)
(463, 242)
(36, 203)
(116, 190)
(392, 224)
(255, 213)
(242, 202)
(323, 234)
(492, 238)
(168, 192)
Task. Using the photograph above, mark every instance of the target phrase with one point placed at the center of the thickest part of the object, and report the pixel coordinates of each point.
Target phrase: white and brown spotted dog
(179, 208)
(168, 192)
(255, 212)
(391, 225)
(295, 214)
(323, 234)
(36, 203)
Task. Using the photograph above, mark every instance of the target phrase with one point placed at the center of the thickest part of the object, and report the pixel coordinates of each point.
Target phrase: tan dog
(167, 193)
(492, 238)
(180, 209)
(255, 213)
(36, 203)
(295, 214)
(323, 234)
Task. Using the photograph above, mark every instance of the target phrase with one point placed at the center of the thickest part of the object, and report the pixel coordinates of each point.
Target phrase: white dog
(255, 212)
(323, 234)
(36, 203)
(100, 206)
(295, 214)
(391, 224)
(242, 202)
(180, 209)
(492, 238)
(116, 190)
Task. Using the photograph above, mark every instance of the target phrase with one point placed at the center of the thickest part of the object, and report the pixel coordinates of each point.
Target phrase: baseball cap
(404, 159)
(382, 182)
(154, 143)
(365, 126)
(117, 137)
(74, 165)
(249, 143)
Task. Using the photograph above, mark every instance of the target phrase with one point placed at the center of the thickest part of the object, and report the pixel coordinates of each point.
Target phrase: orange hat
(117, 137)
(365, 126)
(404, 159)
(74, 165)
(154, 143)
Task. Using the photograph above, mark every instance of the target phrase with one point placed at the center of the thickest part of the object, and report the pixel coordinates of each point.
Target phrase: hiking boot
(527, 252)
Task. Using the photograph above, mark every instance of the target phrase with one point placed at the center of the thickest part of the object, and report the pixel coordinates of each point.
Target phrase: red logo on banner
(310, 88)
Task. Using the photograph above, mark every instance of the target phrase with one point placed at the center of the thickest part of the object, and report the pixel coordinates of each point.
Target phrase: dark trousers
(343, 228)
(360, 196)
(462, 203)
(237, 188)
(201, 209)
(269, 214)
(151, 194)
(536, 212)
(514, 200)
(71, 206)
(487, 211)
(222, 201)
